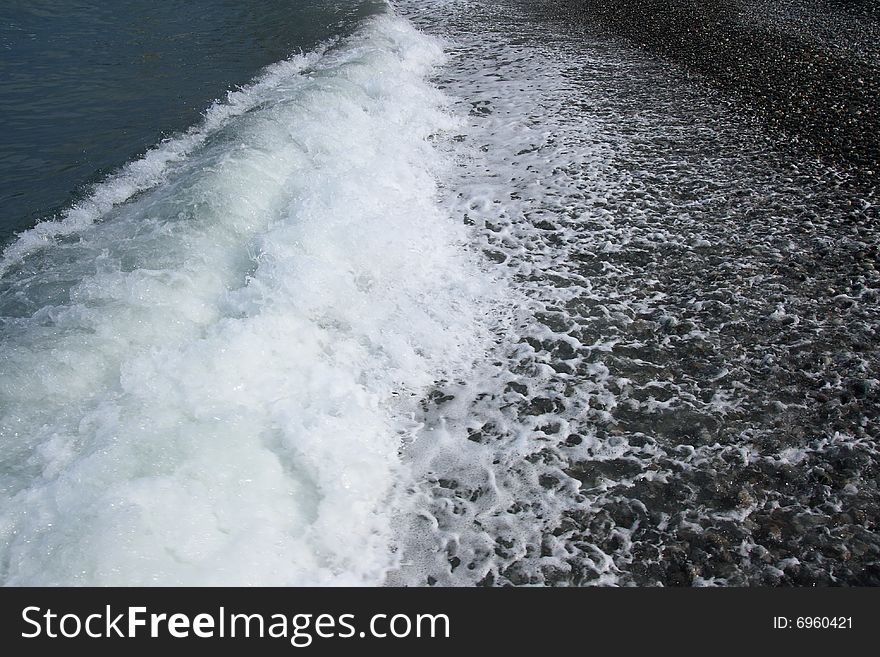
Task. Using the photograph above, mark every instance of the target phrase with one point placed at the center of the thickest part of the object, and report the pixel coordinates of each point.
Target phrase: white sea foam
(206, 368)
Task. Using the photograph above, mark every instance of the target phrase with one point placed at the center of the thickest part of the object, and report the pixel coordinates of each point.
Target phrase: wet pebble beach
(686, 391)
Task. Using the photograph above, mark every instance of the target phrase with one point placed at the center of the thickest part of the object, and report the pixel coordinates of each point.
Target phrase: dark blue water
(86, 86)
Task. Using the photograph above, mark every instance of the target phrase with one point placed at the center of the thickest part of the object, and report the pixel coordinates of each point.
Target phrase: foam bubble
(206, 373)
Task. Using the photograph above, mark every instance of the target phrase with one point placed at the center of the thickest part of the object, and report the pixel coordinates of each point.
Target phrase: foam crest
(205, 374)
(155, 166)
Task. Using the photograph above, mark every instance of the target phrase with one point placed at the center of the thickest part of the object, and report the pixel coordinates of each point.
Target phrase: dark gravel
(809, 67)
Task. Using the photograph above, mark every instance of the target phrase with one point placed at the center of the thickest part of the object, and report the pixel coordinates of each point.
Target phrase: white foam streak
(209, 384)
